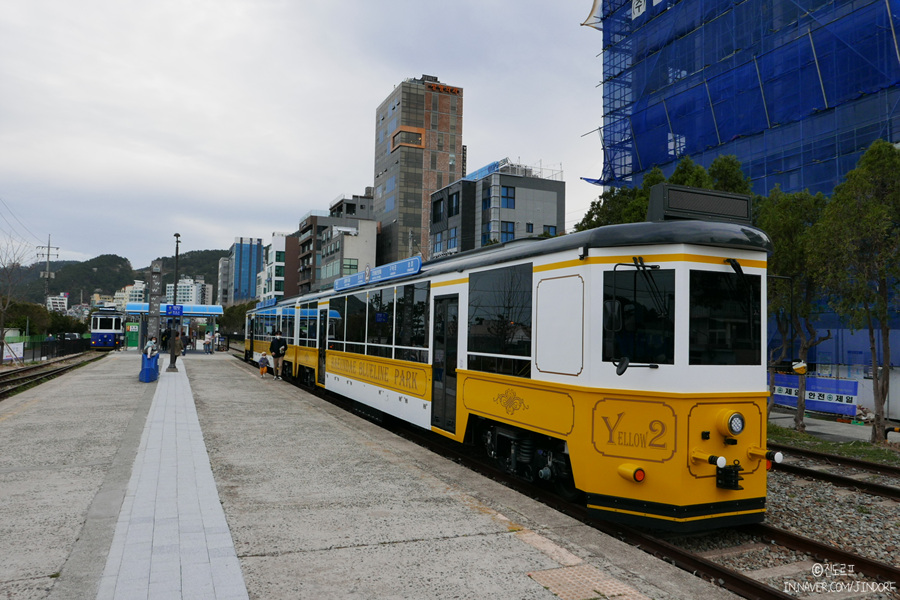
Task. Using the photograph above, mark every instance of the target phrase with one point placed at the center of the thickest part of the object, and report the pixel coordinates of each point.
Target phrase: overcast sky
(123, 122)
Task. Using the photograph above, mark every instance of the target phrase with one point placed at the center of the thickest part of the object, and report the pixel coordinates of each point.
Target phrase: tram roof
(647, 233)
(692, 232)
(187, 310)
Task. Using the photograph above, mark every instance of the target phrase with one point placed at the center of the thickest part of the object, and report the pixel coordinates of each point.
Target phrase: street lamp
(175, 283)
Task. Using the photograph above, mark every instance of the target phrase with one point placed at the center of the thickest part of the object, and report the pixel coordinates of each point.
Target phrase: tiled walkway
(171, 539)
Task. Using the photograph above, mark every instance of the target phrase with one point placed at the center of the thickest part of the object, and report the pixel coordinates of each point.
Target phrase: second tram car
(107, 329)
(625, 365)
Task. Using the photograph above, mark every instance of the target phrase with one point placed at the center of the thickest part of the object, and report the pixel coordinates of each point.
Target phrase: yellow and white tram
(626, 362)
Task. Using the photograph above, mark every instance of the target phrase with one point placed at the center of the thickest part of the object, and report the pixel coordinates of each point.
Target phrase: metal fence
(37, 348)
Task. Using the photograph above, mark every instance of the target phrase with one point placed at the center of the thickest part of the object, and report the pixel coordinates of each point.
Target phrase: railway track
(860, 480)
(16, 380)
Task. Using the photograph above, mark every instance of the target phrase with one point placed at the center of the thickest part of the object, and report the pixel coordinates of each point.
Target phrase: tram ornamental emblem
(510, 401)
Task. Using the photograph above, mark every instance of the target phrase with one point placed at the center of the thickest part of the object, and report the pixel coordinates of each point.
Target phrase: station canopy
(187, 310)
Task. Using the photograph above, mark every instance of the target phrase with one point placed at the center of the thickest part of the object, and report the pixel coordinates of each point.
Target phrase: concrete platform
(214, 483)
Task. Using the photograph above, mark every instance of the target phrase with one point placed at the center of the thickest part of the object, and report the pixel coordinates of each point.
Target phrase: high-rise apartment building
(278, 276)
(223, 289)
(190, 291)
(418, 150)
(796, 90)
(245, 261)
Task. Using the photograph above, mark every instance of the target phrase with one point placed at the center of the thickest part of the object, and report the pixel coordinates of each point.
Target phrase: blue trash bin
(149, 368)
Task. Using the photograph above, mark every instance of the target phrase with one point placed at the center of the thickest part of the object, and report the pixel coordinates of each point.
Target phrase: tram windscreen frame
(725, 318)
(645, 328)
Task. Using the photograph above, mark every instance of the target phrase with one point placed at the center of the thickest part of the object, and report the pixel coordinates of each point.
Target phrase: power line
(2, 201)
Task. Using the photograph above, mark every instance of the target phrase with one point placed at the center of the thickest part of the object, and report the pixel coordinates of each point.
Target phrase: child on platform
(263, 365)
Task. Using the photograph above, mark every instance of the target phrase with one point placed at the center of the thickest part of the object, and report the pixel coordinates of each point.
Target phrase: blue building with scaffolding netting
(796, 89)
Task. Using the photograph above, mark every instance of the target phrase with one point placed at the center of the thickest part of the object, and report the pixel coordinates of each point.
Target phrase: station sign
(401, 268)
(267, 303)
(174, 310)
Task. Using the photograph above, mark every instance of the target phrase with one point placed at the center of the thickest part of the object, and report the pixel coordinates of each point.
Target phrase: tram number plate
(637, 429)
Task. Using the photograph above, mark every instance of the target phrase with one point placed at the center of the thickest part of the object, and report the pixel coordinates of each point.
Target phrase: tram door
(446, 342)
(251, 333)
(323, 345)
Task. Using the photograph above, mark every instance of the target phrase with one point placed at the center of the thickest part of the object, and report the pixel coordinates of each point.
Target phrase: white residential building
(130, 293)
(59, 303)
(190, 291)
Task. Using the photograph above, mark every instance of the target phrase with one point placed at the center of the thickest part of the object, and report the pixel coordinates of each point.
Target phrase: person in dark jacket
(277, 349)
(175, 348)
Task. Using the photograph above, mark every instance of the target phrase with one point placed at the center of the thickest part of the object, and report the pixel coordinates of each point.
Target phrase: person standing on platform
(264, 366)
(278, 347)
(207, 342)
(175, 348)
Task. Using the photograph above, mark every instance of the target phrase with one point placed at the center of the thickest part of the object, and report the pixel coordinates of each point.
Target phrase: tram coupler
(729, 476)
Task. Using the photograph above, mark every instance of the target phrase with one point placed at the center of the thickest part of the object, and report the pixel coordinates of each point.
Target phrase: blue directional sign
(401, 268)
(174, 310)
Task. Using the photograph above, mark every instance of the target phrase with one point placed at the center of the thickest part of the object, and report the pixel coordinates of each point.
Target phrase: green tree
(608, 209)
(12, 254)
(726, 174)
(855, 250)
(60, 323)
(793, 291)
(629, 205)
(621, 205)
(233, 318)
(31, 316)
(691, 174)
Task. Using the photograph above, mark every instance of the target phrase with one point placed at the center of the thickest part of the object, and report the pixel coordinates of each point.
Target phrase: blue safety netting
(796, 89)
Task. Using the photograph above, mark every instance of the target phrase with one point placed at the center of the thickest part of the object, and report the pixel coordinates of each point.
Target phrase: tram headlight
(731, 423)
(736, 423)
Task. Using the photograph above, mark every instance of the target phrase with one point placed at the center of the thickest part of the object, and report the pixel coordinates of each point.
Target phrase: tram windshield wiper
(748, 289)
(652, 288)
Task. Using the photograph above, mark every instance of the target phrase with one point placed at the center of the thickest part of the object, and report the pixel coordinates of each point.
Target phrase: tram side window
(287, 328)
(500, 305)
(643, 326)
(336, 333)
(381, 323)
(725, 319)
(355, 319)
(306, 329)
(265, 325)
(411, 337)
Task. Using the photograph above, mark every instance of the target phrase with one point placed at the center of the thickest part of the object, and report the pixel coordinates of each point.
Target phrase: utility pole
(47, 253)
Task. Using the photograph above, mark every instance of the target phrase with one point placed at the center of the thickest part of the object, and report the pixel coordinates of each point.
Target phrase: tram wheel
(564, 486)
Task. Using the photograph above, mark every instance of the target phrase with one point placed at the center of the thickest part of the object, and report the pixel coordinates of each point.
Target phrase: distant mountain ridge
(108, 273)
